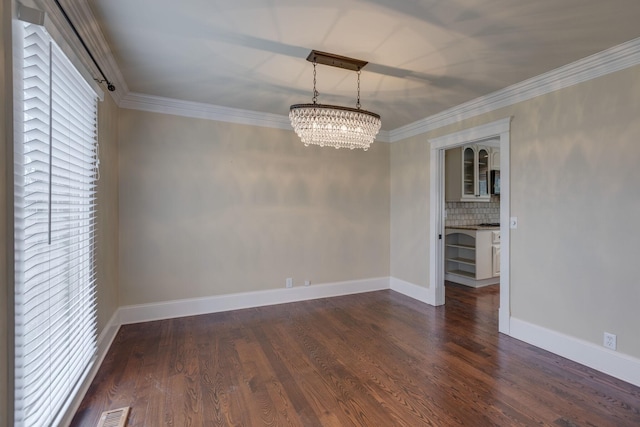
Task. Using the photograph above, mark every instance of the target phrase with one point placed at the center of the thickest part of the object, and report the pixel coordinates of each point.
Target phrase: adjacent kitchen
(472, 214)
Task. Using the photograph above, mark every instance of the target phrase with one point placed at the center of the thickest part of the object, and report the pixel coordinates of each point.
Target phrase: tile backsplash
(471, 213)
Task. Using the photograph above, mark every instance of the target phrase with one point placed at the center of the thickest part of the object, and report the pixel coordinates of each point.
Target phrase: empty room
(338, 213)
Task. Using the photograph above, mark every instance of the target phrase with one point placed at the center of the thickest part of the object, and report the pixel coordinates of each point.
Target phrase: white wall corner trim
(219, 303)
(416, 292)
(606, 62)
(612, 363)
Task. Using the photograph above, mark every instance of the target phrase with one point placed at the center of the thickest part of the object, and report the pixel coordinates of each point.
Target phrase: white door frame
(499, 129)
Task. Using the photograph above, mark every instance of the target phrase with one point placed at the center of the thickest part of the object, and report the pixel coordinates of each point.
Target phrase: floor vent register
(114, 418)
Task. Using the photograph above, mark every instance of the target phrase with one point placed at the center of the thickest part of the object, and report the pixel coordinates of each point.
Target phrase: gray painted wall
(410, 210)
(210, 208)
(574, 188)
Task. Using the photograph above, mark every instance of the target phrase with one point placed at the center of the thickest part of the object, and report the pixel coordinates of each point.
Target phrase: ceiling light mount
(332, 125)
(324, 58)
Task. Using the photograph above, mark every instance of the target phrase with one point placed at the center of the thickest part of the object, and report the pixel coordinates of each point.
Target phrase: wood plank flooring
(375, 359)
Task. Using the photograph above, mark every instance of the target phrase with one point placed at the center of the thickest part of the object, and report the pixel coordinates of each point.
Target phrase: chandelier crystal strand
(331, 125)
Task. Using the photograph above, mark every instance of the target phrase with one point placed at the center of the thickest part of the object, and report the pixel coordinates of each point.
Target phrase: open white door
(436, 226)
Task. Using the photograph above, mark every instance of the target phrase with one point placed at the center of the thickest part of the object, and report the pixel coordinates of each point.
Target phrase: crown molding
(606, 62)
(85, 22)
(198, 110)
(384, 136)
(600, 64)
(87, 25)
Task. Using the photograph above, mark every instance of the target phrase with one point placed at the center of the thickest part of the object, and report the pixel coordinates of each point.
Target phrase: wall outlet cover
(610, 341)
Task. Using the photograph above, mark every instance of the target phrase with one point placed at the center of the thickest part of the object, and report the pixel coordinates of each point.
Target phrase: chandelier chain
(315, 92)
(358, 101)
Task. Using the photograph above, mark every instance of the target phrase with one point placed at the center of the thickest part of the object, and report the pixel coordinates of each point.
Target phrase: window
(55, 187)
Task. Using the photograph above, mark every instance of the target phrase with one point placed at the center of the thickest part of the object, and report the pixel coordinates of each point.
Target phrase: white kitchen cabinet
(467, 174)
(496, 261)
(494, 154)
(469, 257)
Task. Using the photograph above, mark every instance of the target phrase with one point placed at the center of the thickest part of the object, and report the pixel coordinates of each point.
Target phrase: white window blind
(55, 332)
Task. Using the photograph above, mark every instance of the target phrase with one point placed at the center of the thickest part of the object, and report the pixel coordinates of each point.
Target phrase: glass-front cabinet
(469, 171)
(467, 174)
(482, 173)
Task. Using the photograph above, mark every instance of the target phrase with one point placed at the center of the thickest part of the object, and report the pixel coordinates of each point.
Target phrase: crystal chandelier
(332, 125)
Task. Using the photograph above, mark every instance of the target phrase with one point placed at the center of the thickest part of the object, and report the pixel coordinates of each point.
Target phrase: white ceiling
(424, 56)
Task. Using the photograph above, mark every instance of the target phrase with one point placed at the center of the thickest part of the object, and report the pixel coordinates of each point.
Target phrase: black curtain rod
(110, 85)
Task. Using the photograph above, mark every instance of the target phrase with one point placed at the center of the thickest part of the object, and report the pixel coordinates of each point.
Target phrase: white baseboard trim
(214, 304)
(416, 292)
(617, 365)
(105, 340)
(473, 283)
(107, 336)
(504, 317)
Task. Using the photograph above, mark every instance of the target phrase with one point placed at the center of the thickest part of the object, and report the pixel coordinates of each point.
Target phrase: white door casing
(499, 129)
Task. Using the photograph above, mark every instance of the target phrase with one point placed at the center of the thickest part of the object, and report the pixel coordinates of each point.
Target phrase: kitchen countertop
(473, 227)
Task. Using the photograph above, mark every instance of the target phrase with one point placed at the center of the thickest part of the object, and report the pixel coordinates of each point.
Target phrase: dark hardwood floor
(376, 359)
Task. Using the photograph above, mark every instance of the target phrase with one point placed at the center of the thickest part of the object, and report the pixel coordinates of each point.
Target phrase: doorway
(498, 130)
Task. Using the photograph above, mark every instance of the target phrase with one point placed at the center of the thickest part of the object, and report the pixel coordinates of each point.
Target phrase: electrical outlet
(609, 341)
(307, 282)
(289, 282)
